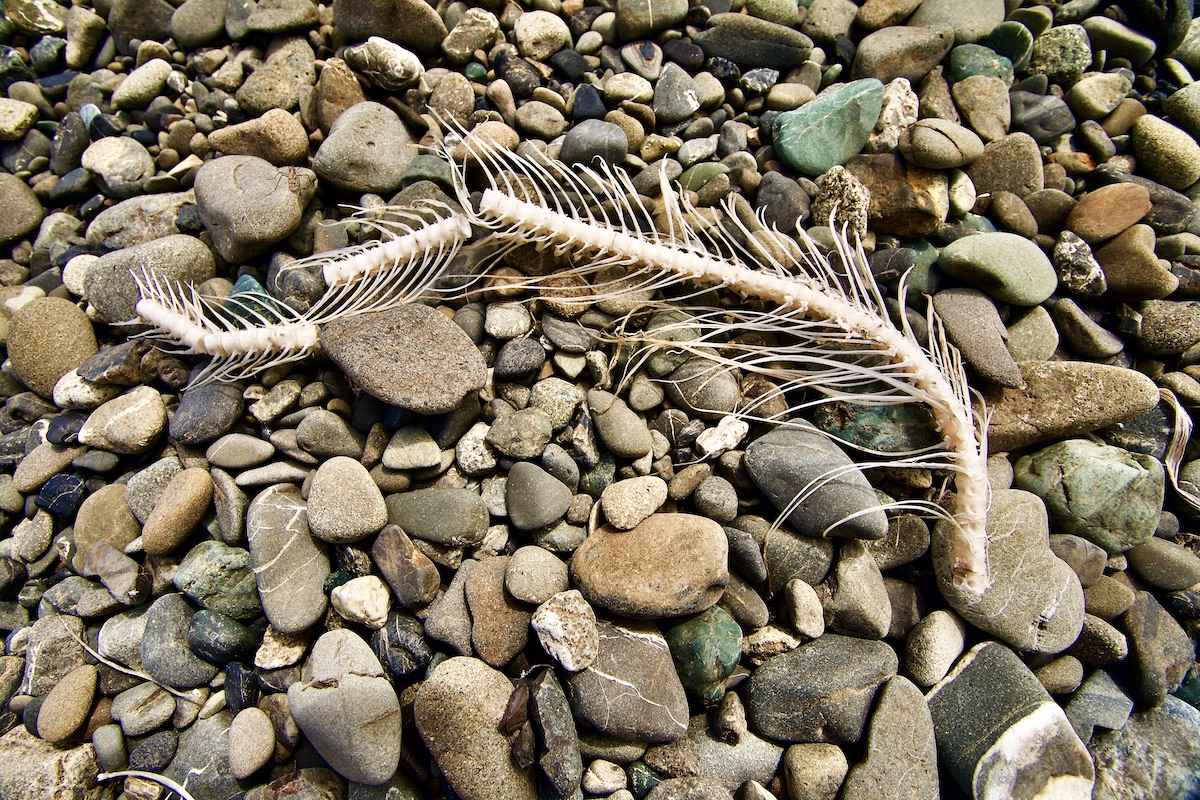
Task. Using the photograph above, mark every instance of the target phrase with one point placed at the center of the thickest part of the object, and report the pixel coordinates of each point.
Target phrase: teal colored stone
(975, 59)
(694, 177)
(1189, 690)
(829, 130)
(1009, 268)
(476, 72)
(220, 578)
(1013, 41)
(595, 480)
(428, 167)
(705, 648)
(248, 299)
(642, 779)
(336, 578)
(890, 429)
(1105, 494)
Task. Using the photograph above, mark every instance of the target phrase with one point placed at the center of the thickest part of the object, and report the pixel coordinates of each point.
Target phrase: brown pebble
(1109, 210)
(48, 338)
(183, 504)
(66, 707)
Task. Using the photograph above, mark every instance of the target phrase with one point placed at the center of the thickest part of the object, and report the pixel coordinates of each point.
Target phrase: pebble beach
(490, 542)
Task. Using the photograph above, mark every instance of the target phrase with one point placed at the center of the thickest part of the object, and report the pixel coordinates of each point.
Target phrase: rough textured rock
(457, 712)
(669, 565)
(820, 692)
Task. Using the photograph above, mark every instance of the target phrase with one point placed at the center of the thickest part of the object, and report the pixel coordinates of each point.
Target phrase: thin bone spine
(970, 569)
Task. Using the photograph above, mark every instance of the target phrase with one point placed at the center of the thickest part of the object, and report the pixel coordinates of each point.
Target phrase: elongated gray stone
(787, 459)
(290, 567)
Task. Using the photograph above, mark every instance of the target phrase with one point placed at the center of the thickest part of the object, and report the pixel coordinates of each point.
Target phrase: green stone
(1008, 267)
(1013, 41)
(220, 578)
(428, 167)
(694, 178)
(595, 480)
(642, 779)
(1105, 494)
(781, 12)
(831, 129)
(889, 429)
(705, 648)
(1061, 54)
(974, 59)
(476, 72)
(1189, 690)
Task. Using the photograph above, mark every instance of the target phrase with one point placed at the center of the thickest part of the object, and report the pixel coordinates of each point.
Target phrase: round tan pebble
(251, 742)
(48, 338)
(182, 505)
(492, 133)
(66, 707)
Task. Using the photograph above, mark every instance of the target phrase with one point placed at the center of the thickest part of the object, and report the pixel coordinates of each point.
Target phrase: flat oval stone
(747, 40)
(289, 566)
(534, 574)
(66, 707)
(1065, 398)
(251, 742)
(940, 144)
(47, 338)
(457, 711)
(180, 508)
(668, 566)
(410, 356)
(348, 709)
(450, 517)
(1008, 267)
(249, 204)
(1104, 212)
(787, 459)
(344, 504)
(1167, 154)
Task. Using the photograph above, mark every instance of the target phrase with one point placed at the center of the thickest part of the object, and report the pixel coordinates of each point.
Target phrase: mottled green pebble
(706, 648)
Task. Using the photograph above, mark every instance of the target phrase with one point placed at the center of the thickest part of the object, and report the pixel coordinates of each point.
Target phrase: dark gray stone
(820, 692)
(784, 461)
